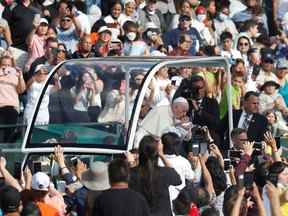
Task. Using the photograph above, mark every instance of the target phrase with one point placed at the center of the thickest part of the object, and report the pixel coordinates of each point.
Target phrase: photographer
(203, 111)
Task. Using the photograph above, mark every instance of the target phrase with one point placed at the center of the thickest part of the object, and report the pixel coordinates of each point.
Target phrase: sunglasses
(57, 50)
(268, 61)
(184, 19)
(61, 50)
(243, 44)
(66, 20)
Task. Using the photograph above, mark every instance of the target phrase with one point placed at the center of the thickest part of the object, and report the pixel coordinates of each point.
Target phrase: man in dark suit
(203, 111)
(248, 118)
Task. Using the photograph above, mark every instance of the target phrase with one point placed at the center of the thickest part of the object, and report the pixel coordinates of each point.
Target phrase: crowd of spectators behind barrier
(185, 164)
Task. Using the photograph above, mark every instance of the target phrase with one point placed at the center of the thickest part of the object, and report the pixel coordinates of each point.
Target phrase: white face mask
(201, 17)
(223, 17)
(131, 36)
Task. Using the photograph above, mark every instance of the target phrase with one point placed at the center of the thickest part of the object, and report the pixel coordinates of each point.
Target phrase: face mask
(201, 17)
(223, 17)
(131, 36)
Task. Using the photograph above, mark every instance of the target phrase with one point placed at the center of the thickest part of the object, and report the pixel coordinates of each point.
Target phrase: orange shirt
(47, 210)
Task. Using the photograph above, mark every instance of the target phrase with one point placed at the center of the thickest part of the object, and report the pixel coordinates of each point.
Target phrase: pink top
(36, 49)
(8, 91)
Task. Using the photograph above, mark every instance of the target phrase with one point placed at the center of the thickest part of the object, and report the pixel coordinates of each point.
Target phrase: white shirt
(232, 54)
(226, 25)
(184, 170)
(166, 7)
(264, 77)
(84, 21)
(110, 20)
(242, 119)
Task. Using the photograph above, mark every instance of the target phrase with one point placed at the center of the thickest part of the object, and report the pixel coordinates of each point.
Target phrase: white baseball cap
(40, 181)
(44, 20)
(39, 67)
(104, 29)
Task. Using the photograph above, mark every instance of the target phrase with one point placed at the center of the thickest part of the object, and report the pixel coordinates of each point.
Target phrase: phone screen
(61, 186)
(278, 142)
(17, 170)
(248, 180)
(227, 164)
(203, 147)
(195, 149)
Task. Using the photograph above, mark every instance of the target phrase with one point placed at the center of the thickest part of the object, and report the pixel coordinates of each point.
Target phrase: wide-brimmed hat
(96, 177)
(270, 83)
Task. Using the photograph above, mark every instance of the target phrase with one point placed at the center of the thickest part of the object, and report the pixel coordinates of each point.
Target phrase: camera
(198, 142)
(191, 93)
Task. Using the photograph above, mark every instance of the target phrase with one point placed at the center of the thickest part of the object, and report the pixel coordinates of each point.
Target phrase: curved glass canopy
(94, 104)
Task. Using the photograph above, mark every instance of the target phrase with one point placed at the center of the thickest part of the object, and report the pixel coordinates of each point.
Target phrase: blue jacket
(172, 38)
(78, 198)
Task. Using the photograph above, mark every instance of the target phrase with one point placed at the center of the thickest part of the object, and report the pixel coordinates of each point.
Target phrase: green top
(236, 95)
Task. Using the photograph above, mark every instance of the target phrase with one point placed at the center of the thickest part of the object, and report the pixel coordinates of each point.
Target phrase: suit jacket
(209, 116)
(257, 127)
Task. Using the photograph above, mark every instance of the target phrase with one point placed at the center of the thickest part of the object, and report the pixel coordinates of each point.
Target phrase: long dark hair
(79, 84)
(148, 166)
(217, 174)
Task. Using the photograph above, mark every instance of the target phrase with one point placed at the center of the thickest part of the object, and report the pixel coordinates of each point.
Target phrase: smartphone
(241, 181)
(195, 149)
(256, 70)
(17, 170)
(37, 167)
(203, 147)
(248, 180)
(258, 145)
(61, 186)
(115, 46)
(227, 164)
(234, 153)
(278, 142)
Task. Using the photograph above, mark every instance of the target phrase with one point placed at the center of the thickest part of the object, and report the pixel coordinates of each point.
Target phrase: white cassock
(158, 121)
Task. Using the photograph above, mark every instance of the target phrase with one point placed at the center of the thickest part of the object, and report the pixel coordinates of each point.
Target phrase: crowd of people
(186, 161)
